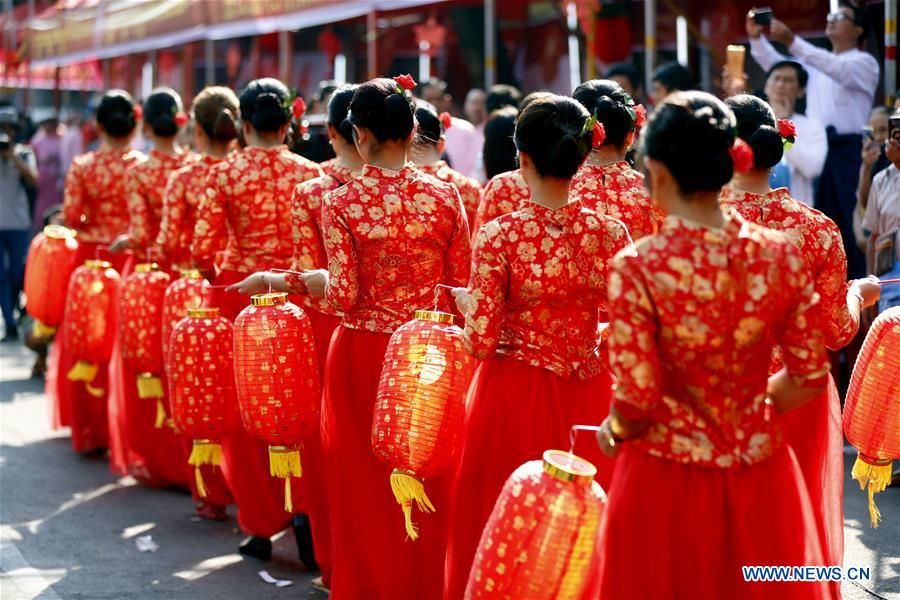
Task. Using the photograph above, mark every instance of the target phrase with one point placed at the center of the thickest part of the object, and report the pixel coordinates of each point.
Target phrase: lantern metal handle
(573, 434)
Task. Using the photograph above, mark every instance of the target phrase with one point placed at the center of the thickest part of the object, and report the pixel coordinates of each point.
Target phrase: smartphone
(868, 133)
(762, 16)
(894, 128)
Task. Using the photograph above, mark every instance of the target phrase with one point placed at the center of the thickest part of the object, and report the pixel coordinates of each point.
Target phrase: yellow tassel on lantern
(83, 371)
(408, 489)
(204, 452)
(876, 474)
(149, 386)
(42, 331)
(160, 414)
(284, 463)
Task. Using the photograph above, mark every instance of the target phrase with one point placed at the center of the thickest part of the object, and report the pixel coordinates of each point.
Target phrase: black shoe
(12, 335)
(256, 547)
(303, 535)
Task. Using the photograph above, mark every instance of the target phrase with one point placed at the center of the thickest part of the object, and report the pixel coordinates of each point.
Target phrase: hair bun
(225, 126)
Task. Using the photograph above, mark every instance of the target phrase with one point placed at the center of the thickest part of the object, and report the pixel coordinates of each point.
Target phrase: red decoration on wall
(140, 331)
(51, 258)
(92, 296)
(421, 405)
(277, 377)
(872, 410)
(329, 43)
(181, 295)
(539, 540)
(201, 385)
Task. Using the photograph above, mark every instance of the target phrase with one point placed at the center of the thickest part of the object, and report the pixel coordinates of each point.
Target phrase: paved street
(68, 526)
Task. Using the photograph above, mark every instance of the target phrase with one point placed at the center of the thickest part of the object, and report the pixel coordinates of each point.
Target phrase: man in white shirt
(463, 142)
(785, 90)
(841, 91)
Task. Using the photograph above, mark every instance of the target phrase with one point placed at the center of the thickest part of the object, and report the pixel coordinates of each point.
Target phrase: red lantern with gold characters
(872, 410)
(181, 295)
(140, 331)
(539, 540)
(201, 385)
(421, 405)
(89, 321)
(277, 375)
(51, 260)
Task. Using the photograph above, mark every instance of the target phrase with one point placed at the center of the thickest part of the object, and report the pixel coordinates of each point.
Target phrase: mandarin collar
(164, 158)
(561, 216)
(615, 167)
(675, 226)
(382, 173)
(260, 150)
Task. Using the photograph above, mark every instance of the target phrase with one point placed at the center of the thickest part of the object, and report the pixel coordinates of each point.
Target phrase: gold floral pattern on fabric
(146, 186)
(694, 315)
(503, 194)
(306, 221)
(469, 189)
(819, 241)
(96, 195)
(179, 213)
(616, 190)
(538, 285)
(391, 237)
(248, 203)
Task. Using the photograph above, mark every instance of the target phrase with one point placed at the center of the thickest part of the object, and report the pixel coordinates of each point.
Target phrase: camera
(5, 143)
(762, 16)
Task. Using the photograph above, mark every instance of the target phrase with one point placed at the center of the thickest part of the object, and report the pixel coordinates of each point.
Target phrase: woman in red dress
(703, 483)
(391, 236)
(246, 208)
(813, 430)
(96, 205)
(532, 313)
(154, 456)
(309, 254)
(606, 183)
(427, 151)
(214, 109)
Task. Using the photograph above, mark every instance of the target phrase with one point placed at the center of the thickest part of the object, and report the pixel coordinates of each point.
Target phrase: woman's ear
(245, 125)
(442, 143)
(629, 140)
(525, 161)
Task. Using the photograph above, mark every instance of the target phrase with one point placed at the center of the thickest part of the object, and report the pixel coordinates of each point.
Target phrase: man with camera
(840, 93)
(18, 169)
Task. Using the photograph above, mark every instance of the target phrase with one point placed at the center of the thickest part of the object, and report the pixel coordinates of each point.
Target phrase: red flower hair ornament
(138, 112)
(405, 83)
(598, 132)
(181, 119)
(298, 108)
(640, 115)
(742, 156)
(446, 120)
(788, 132)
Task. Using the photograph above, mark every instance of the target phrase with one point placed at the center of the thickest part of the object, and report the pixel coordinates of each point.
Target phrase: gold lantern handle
(434, 315)
(270, 299)
(203, 312)
(146, 267)
(58, 232)
(566, 466)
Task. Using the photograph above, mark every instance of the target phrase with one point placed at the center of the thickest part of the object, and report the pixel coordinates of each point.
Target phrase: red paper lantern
(277, 376)
(201, 385)
(140, 331)
(181, 295)
(51, 258)
(872, 410)
(92, 296)
(539, 540)
(421, 405)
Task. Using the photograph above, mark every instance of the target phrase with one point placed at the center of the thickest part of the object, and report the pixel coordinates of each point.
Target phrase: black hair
(264, 105)
(160, 108)
(626, 70)
(551, 131)
(532, 97)
(215, 109)
(674, 76)
(756, 126)
(430, 128)
(859, 18)
(115, 113)
(692, 134)
(611, 104)
(378, 106)
(499, 149)
(501, 95)
(325, 89)
(338, 108)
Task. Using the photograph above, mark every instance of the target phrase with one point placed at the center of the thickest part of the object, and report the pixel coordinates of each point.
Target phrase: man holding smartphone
(841, 91)
(882, 218)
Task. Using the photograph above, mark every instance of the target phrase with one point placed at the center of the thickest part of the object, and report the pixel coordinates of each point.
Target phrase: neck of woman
(605, 155)
(390, 155)
(349, 158)
(424, 155)
(218, 152)
(550, 192)
(167, 146)
(755, 182)
(699, 207)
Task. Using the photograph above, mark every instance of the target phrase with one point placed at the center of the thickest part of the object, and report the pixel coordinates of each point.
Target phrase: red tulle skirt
(814, 433)
(516, 412)
(372, 557)
(87, 415)
(681, 531)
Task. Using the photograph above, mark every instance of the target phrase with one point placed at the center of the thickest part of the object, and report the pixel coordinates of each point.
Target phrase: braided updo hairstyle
(692, 134)
(551, 130)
